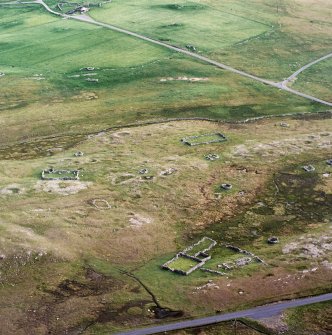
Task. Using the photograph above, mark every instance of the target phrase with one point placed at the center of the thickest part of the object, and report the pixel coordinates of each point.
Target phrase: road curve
(88, 19)
(253, 313)
(296, 73)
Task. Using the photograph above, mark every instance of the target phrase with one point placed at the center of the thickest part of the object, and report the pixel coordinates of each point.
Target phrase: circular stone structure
(88, 68)
(78, 154)
(273, 240)
(226, 186)
(101, 204)
(143, 171)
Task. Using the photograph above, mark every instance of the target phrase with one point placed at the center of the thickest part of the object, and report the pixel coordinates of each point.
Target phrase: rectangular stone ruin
(51, 174)
(202, 246)
(204, 139)
(247, 258)
(196, 264)
(191, 258)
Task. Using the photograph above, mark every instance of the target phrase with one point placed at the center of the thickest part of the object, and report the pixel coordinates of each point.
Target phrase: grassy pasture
(316, 80)
(60, 46)
(185, 23)
(309, 319)
(261, 37)
(44, 91)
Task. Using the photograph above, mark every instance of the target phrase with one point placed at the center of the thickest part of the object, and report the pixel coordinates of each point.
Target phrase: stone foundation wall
(213, 271)
(75, 174)
(222, 138)
(200, 261)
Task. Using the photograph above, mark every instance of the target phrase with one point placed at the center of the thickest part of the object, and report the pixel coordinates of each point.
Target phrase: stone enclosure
(195, 256)
(196, 253)
(51, 174)
(204, 139)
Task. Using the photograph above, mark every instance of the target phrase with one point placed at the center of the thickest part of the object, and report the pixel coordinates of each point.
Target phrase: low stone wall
(327, 114)
(180, 272)
(194, 268)
(166, 265)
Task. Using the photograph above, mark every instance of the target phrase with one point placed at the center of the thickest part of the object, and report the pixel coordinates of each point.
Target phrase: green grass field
(261, 37)
(316, 80)
(183, 24)
(183, 264)
(44, 92)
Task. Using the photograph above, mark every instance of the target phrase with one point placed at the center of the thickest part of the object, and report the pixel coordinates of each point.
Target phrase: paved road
(88, 19)
(253, 313)
(296, 73)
